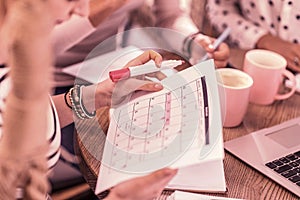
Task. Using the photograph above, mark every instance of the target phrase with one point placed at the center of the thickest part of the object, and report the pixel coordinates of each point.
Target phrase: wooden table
(242, 181)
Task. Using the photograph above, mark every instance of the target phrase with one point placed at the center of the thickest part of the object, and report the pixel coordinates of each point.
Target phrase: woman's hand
(220, 55)
(108, 93)
(290, 51)
(146, 187)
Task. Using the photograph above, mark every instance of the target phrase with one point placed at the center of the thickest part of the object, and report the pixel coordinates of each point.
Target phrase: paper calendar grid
(159, 127)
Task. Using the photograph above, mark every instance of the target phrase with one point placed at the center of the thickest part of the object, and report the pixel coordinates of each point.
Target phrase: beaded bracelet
(81, 112)
(76, 109)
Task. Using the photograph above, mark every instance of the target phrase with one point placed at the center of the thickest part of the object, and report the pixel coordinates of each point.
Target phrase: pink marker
(147, 68)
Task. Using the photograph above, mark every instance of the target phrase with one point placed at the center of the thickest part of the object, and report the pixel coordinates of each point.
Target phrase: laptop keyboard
(287, 166)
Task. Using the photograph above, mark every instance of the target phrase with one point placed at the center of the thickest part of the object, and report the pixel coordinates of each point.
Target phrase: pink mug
(234, 89)
(267, 69)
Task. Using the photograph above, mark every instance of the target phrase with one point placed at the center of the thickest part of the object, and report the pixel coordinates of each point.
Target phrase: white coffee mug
(267, 69)
(234, 89)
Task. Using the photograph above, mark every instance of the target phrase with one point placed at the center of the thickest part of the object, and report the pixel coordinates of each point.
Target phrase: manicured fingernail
(211, 46)
(170, 171)
(158, 86)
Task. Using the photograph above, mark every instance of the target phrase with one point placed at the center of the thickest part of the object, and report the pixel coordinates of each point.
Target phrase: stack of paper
(178, 195)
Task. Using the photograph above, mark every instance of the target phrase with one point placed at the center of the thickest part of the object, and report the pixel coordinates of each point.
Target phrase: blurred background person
(75, 39)
(25, 145)
(271, 25)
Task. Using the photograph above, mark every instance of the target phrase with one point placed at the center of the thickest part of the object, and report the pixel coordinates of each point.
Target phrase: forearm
(24, 121)
(23, 148)
(93, 97)
(66, 35)
(25, 126)
(65, 113)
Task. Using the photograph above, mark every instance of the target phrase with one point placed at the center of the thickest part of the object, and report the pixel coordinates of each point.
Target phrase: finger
(160, 175)
(141, 77)
(220, 64)
(149, 187)
(145, 57)
(293, 60)
(151, 87)
(224, 48)
(124, 89)
(222, 52)
(128, 86)
(159, 75)
(159, 179)
(293, 66)
(206, 42)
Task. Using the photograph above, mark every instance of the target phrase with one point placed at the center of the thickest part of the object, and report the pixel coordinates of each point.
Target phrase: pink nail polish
(158, 86)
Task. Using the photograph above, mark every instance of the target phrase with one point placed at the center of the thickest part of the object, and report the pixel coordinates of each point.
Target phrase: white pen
(147, 68)
(217, 42)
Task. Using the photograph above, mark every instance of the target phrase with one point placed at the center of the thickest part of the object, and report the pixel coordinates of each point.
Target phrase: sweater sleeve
(171, 15)
(69, 33)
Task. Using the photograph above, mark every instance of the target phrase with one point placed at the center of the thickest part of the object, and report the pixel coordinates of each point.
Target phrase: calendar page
(169, 128)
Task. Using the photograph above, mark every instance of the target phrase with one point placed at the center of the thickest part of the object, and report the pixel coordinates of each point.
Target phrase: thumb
(161, 177)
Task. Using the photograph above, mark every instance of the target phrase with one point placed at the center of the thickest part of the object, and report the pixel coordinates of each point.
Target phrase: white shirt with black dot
(256, 18)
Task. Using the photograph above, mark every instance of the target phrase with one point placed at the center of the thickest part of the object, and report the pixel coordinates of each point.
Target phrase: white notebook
(178, 127)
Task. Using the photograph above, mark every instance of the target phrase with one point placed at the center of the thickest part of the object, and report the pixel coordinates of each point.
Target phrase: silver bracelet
(80, 111)
(187, 43)
(84, 110)
(75, 106)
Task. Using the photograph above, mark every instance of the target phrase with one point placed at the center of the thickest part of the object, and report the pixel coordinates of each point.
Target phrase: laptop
(273, 151)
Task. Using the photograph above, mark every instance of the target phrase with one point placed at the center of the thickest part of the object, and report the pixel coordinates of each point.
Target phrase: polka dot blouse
(251, 19)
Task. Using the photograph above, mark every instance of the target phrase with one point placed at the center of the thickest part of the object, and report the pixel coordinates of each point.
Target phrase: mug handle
(292, 78)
